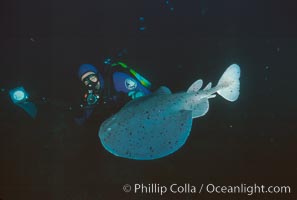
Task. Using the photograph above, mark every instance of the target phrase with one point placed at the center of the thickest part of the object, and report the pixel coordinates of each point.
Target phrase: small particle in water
(203, 11)
(267, 67)
(277, 49)
(168, 5)
(122, 52)
(109, 129)
(230, 126)
(32, 39)
(142, 28)
(141, 22)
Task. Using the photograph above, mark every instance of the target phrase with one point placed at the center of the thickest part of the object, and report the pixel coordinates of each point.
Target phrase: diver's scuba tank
(111, 63)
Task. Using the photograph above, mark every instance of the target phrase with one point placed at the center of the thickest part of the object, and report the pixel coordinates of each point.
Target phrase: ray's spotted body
(157, 125)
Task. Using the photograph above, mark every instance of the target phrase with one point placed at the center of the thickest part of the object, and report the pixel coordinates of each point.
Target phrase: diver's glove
(135, 94)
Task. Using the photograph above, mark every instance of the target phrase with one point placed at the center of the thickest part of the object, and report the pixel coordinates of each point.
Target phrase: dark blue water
(252, 140)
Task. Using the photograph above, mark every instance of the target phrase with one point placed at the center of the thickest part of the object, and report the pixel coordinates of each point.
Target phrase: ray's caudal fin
(228, 85)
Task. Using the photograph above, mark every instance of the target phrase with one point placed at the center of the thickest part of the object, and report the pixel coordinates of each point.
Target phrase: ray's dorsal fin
(208, 86)
(196, 86)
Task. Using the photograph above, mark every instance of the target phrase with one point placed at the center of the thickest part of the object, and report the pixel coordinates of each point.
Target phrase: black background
(252, 140)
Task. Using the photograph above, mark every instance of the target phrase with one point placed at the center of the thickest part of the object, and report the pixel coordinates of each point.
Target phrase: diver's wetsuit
(116, 86)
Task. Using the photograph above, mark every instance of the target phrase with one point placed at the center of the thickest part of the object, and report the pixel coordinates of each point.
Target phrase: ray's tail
(229, 84)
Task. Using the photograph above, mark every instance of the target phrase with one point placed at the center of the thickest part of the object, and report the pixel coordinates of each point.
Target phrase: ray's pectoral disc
(159, 124)
(146, 137)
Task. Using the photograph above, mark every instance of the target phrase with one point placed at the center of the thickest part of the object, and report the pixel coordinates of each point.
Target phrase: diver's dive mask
(91, 81)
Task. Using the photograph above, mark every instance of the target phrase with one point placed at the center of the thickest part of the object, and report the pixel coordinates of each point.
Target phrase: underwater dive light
(20, 97)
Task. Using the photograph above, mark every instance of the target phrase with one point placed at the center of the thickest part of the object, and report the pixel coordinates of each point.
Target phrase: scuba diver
(109, 89)
(106, 90)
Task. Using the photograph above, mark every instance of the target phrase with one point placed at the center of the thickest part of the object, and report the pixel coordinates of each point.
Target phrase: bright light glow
(19, 95)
